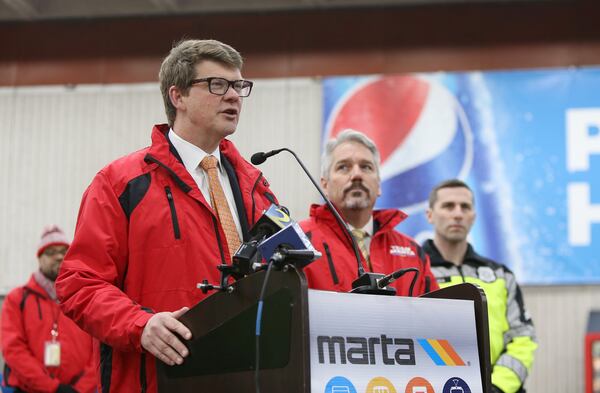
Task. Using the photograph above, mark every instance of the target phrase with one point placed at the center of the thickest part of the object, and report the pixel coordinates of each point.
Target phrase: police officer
(453, 261)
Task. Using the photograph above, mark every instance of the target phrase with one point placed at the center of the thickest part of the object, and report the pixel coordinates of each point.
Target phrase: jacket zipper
(176, 230)
(461, 274)
(334, 276)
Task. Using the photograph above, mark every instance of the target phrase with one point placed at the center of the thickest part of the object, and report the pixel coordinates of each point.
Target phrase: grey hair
(347, 135)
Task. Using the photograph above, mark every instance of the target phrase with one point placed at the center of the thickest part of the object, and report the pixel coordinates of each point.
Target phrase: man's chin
(229, 128)
(456, 238)
(356, 204)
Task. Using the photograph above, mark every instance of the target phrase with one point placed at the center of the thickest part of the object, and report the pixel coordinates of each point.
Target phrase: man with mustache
(350, 178)
(158, 221)
(453, 261)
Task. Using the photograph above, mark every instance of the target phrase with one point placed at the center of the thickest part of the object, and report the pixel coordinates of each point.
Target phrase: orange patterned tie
(360, 236)
(219, 203)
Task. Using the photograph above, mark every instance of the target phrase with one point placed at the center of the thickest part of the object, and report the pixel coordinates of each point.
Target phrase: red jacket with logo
(145, 237)
(28, 315)
(389, 251)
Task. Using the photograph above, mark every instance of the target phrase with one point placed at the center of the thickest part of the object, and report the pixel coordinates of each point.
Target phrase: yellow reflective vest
(512, 335)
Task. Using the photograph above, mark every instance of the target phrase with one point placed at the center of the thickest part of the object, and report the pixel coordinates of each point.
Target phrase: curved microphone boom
(260, 157)
(366, 282)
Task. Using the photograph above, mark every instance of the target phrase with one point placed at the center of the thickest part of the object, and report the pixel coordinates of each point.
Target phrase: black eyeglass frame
(231, 84)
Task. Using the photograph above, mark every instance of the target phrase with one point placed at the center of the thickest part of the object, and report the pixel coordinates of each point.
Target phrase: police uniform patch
(486, 274)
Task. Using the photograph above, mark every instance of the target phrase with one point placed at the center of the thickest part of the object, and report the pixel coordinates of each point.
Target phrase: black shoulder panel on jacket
(134, 193)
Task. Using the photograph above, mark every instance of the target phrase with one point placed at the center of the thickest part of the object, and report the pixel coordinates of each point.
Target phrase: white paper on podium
(389, 344)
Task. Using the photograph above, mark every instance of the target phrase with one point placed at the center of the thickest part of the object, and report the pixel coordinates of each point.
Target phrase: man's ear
(324, 186)
(428, 214)
(175, 96)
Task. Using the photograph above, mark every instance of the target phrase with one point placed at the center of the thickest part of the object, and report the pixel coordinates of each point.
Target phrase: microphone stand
(367, 282)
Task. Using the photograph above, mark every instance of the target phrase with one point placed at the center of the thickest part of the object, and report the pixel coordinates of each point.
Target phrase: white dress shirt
(192, 155)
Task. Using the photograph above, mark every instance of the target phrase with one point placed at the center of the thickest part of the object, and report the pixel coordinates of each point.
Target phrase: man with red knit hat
(44, 351)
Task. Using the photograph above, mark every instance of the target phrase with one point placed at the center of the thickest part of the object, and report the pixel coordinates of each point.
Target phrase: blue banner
(527, 142)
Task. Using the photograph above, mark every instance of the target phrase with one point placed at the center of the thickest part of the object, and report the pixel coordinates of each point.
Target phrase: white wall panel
(560, 315)
(54, 141)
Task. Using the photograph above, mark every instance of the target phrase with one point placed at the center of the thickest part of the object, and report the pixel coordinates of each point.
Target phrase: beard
(356, 197)
(354, 203)
(50, 273)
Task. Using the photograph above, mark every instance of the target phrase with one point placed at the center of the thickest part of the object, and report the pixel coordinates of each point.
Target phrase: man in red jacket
(155, 223)
(350, 178)
(44, 351)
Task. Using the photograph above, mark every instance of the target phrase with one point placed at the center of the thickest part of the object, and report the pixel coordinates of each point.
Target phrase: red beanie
(52, 236)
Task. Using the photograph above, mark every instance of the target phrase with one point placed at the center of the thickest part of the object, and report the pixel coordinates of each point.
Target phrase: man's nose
(232, 95)
(355, 173)
(457, 213)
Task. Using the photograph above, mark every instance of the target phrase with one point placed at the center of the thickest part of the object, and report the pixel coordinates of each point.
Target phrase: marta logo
(441, 352)
(366, 350)
(402, 251)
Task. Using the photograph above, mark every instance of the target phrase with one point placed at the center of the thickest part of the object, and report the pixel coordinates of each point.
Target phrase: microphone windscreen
(258, 158)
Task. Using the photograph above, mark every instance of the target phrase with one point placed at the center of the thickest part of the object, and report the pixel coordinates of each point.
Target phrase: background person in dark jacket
(350, 178)
(44, 351)
(158, 221)
(453, 260)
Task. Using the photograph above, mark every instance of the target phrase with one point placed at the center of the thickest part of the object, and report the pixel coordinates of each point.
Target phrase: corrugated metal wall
(55, 139)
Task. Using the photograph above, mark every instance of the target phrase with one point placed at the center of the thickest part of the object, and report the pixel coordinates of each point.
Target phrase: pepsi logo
(420, 128)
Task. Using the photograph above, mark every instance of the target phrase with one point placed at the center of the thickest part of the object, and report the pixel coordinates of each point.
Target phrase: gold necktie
(360, 236)
(219, 203)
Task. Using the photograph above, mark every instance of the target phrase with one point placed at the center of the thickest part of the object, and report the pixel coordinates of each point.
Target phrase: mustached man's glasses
(219, 86)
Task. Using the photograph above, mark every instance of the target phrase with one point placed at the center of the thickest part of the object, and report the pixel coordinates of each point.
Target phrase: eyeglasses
(50, 251)
(219, 86)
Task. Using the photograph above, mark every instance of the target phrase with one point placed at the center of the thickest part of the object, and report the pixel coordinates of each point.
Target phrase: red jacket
(389, 251)
(28, 314)
(145, 237)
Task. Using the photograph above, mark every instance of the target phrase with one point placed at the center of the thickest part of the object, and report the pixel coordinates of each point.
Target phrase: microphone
(272, 220)
(366, 282)
(260, 157)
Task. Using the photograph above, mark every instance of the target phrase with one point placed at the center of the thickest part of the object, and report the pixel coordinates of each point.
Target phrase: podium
(222, 348)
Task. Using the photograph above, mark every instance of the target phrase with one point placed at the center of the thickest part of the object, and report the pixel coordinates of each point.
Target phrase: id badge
(52, 354)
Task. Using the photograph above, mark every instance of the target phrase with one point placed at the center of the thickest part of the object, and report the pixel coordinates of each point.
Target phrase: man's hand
(158, 339)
